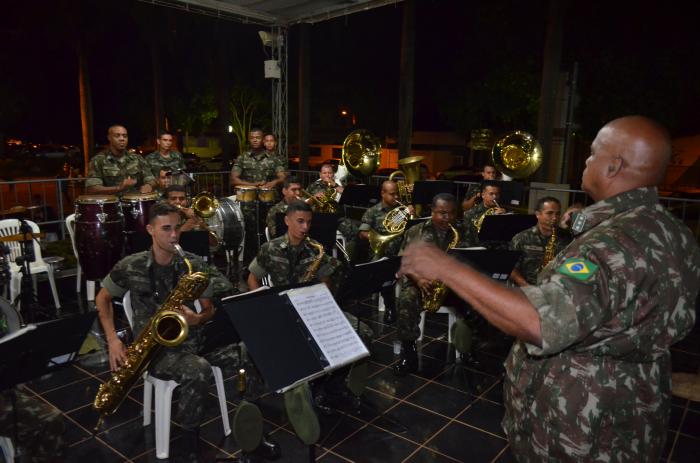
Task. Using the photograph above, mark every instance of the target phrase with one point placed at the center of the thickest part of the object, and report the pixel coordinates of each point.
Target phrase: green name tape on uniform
(578, 268)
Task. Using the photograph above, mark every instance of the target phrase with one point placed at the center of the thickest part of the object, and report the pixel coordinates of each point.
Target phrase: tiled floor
(442, 414)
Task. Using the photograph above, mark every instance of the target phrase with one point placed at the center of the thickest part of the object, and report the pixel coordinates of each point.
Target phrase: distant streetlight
(343, 112)
(230, 129)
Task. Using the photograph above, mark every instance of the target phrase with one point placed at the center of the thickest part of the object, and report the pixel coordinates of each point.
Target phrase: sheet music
(328, 325)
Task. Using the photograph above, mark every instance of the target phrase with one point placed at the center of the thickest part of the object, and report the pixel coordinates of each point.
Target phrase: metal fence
(50, 201)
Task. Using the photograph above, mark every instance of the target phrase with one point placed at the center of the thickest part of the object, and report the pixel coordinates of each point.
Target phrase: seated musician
(490, 194)
(165, 159)
(325, 180)
(150, 276)
(373, 219)
(488, 173)
(176, 195)
(287, 259)
(436, 230)
(290, 192)
(115, 171)
(535, 241)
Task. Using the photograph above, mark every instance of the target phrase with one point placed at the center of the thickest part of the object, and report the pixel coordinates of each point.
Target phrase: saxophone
(313, 268)
(432, 302)
(167, 328)
(550, 248)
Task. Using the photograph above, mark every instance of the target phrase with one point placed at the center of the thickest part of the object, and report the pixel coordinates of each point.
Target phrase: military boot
(408, 362)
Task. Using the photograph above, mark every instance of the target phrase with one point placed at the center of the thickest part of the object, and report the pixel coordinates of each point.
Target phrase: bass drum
(11, 316)
(228, 225)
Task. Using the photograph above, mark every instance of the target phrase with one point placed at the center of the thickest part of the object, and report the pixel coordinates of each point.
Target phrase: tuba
(410, 170)
(204, 204)
(517, 154)
(166, 328)
(313, 268)
(438, 291)
(361, 155)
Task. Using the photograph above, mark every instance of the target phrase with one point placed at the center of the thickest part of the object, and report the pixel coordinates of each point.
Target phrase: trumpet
(326, 203)
(204, 206)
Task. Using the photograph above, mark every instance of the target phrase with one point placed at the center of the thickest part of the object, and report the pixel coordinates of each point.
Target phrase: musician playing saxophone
(534, 241)
(287, 259)
(436, 230)
(150, 276)
(490, 196)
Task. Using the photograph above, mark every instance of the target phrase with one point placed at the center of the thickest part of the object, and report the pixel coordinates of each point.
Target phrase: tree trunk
(86, 122)
(304, 95)
(408, 53)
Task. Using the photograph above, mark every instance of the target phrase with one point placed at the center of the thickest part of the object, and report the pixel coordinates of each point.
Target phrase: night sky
(478, 64)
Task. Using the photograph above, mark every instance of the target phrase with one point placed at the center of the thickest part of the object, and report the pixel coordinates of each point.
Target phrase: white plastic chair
(89, 284)
(11, 227)
(164, 395)
(451, 318)
(8, 449)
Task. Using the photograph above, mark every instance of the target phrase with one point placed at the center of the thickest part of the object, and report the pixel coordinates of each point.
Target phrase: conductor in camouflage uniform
(373, 219)
(260, 168)
(38, 426)
(290, 192)
(588, 378)
(150, 276)
(165, 158)
(435, 230)
(115, 171)
(490, 194)
(534, 241)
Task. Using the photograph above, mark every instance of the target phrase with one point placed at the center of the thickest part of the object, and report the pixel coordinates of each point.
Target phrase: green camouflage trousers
(409, 309)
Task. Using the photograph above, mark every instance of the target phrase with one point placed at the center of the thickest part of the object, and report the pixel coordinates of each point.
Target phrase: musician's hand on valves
(319, 194)
(411, 210)
(147, 188)
(117, 353)
(191, 317)
(422, 261)
(424, 285)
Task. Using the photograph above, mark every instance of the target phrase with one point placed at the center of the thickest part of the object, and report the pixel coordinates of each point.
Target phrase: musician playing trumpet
(490, 196)
(536, 241)
(324, 182)
(439, 230)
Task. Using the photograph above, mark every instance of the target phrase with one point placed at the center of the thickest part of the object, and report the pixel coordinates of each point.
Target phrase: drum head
(96, 199)
(140, 197)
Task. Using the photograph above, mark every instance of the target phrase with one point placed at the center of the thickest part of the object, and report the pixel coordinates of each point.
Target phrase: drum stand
(28, 304)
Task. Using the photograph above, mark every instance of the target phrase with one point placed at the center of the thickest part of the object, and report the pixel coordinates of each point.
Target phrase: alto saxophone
(432, 302)
(550, 248)
(166, 328)
(313, 268)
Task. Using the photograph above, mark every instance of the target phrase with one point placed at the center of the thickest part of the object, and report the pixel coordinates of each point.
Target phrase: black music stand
(497, 264)
(369, 278)
(196, 242)
(424, 191)
(40, 348)
(511, 193)
(360, 195)
(323, 228)
(505, 226)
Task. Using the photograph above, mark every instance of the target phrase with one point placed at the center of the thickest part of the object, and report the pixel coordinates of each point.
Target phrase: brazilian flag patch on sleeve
(578, 268)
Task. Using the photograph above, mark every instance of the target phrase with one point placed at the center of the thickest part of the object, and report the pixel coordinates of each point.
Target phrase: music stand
(424, 191)
(40, 348)
(497, 264)
(368, 278)
(360, 195)
(323, 228)
(505, 226)
(511, 193)
(196, 242)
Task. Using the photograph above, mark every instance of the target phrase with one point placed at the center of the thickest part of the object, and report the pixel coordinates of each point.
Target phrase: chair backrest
(11, 227)
(70, 225)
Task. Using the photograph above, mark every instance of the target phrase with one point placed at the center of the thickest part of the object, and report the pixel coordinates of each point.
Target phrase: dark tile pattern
(446, 412)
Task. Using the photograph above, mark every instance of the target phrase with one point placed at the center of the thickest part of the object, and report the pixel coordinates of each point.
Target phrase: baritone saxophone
(166, 328)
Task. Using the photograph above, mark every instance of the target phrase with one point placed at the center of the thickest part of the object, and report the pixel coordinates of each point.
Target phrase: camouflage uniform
(107, 170)
(271, 220)
(532, 243)
(471, 236)
(410, 298)
(150, 284)
(346, 226)
(317, 186)
(255, 166)
(39, 428)
(610, 306)
(173, 162)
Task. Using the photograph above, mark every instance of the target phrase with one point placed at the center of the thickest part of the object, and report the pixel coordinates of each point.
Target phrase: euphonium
(549, 250)
(438, 290)
(313, 268)
(410, 170)
(166, 328)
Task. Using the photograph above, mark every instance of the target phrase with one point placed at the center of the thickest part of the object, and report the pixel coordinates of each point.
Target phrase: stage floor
(441, 414)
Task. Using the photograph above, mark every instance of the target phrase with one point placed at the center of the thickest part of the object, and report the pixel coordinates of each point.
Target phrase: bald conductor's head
(628, 153)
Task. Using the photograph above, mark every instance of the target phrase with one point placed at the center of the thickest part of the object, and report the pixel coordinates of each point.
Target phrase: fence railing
(50, 201)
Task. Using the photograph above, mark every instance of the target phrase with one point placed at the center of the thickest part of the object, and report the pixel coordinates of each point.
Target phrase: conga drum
(246, 194)
(99, 234)
(136, 207)
(267, 195)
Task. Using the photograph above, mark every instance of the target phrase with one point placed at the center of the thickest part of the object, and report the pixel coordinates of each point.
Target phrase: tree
(194, 114)
(247, 105)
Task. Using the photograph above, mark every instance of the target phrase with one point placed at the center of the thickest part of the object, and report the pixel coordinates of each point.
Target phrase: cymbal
(18, 210)
(21, 237)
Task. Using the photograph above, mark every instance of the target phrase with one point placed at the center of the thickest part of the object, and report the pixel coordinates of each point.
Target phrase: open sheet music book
(295, 335)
